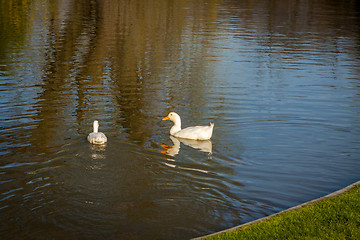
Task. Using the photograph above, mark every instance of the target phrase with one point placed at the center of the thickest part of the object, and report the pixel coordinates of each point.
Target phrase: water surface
(280, 80)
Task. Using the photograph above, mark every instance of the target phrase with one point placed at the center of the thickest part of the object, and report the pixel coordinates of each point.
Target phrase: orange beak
(166, 118)
(165, 146)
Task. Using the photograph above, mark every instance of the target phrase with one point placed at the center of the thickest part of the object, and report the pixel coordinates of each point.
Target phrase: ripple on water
(283, 95)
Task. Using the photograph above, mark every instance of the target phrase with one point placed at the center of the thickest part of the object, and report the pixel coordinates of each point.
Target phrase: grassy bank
(331, 218)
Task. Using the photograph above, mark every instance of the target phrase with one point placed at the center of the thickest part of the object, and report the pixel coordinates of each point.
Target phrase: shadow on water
(280, 81)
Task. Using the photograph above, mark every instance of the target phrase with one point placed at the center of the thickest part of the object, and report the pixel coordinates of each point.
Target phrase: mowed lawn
(331, 218)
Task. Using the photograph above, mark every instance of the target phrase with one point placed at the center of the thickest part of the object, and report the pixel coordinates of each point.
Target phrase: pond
(279, 79)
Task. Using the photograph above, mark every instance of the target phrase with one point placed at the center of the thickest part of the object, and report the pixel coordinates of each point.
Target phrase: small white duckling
(96, 137)
(195, 133)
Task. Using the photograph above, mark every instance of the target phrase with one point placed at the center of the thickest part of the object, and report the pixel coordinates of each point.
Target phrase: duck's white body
(195, 133)
(96, 137)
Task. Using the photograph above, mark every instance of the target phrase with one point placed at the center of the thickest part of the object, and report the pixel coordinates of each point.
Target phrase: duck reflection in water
(202, 145)
(98, 151)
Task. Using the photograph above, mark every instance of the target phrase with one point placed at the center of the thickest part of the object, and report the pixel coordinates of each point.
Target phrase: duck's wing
(97, 138)
(196, 132)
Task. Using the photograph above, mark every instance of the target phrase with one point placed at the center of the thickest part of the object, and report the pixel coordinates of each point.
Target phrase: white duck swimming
(196, 132)
(96, 137)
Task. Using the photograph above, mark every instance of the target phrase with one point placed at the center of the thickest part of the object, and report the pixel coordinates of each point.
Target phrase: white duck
(96, 137)
(195, 133)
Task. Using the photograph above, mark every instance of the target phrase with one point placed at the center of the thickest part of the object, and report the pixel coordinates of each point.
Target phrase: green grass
(332, 218)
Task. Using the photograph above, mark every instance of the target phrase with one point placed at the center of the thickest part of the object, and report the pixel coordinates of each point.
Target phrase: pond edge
(331, 195)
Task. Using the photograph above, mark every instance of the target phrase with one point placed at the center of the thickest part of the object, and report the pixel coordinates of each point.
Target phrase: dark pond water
(280, 80)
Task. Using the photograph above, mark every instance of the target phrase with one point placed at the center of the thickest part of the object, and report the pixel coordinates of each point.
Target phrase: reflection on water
(98, 151)
(280, 80)
(204, 145)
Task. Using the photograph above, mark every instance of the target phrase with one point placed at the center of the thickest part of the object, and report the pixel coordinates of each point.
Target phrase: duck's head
(173, 116)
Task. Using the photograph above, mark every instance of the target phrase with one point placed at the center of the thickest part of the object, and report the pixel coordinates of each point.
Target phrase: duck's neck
(96, 127)
(176, 128)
